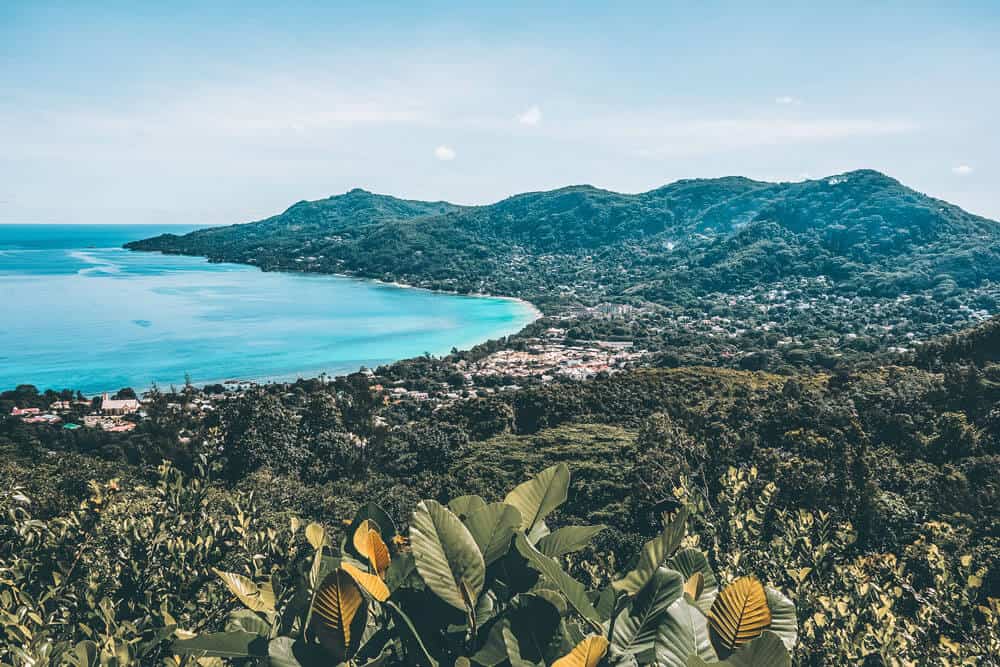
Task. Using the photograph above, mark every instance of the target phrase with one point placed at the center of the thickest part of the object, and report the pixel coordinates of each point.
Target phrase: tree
(258, 431)
(662, 452)
(418, 447)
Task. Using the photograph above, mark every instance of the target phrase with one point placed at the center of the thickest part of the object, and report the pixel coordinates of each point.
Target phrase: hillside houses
(547, 359)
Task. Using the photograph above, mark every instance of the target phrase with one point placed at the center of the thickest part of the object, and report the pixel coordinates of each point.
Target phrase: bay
(78, 311)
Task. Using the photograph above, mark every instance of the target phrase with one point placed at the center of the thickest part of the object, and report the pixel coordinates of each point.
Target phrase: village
(547, 358)
(122, 414)
(534, 360)
(115, 415)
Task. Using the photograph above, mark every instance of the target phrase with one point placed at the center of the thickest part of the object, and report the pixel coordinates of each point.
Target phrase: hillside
(841, 265)
(305, 222)
(861, 218)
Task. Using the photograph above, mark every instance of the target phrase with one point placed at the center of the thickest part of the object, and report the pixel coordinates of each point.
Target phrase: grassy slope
(595, 452)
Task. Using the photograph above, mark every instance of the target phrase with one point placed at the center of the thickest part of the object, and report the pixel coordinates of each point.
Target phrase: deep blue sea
(78, 311)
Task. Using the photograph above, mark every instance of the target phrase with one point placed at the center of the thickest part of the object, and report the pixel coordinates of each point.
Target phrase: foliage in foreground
(480, 583)
(152, 576)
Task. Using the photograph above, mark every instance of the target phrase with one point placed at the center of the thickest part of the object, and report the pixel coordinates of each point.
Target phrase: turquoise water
(77, 311)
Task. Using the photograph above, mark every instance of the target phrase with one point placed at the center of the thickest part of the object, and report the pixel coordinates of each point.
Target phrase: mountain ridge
(690, 247)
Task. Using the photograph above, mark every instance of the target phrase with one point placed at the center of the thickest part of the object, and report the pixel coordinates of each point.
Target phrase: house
(43, 419)
(112, 406)
(24, 412)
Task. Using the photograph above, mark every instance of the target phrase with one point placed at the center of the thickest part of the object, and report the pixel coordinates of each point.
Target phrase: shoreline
(525, 315)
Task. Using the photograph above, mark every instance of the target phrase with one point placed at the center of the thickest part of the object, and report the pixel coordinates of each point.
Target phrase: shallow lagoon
(78, 311)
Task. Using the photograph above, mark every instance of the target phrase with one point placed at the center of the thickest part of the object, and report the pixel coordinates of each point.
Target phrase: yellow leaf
(368, 541)
(585, 654)
(371, 583)
(799, 575)
(695, 585)
(966, 560)
(339, 615)
(316, 534)
(950, 645)
(974, 582)
(738, 615)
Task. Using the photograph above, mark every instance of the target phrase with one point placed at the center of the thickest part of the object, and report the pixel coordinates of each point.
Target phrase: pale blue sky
(177, 113)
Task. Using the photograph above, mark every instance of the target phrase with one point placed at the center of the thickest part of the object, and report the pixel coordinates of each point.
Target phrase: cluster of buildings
(110, 416)
(548, 359)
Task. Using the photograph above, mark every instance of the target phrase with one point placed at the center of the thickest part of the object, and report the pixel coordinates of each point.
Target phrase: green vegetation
(795, 273)
(868, 498)
(474, 581)
(771, 454)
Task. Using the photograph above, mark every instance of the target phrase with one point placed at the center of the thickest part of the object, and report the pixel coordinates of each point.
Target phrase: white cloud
(444, 153)
(531, 116)
(787, 100)
(962, 170)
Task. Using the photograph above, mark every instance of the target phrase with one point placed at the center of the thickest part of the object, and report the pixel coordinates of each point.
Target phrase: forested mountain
(839, 265)
(310, 221)
(845, 225)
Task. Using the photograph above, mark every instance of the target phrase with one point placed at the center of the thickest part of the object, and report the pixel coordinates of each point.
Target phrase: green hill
(856, 253)
(840, 226)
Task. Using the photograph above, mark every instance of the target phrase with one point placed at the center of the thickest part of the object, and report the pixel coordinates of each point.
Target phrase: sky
(218, 112)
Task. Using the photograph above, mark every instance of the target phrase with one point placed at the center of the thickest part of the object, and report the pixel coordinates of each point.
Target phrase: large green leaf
(688, 562)
(512, 574)
(447, 556)
(574, 591)
(289, 652)
(494, 649)
(783, 620)
(413, 644)
(537, 497)
(567, 539)
(514, 650)
(281, 653)
(258, 597)
(766, 650)
(635, 629)
(463, 506)
(493, 526)
(684, 632)
(248, 621)
(654, 553)
(536, 625)
(236, 644)
(537, 532)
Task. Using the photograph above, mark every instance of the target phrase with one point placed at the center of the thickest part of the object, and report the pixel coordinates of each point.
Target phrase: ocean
(77, 311)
